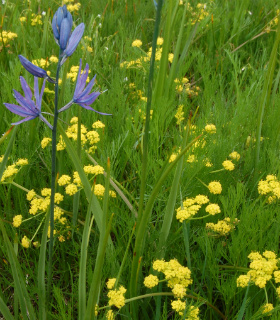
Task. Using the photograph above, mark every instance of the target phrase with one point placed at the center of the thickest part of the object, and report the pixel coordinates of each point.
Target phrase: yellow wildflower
(22, 162)
(71, 189)
(215, 187)
(210, 128)
(17, 220)
(98, 124)
(267, 308)
(234, 156)
(99, 190)
(137, 43)
(63, 180)
(30, 195)
(213, 209)
(151, 281)
(25, 242)
(228, 165)
(110, 283)
(117, 297)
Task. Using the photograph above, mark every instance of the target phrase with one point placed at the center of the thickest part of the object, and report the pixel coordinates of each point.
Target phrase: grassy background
(230, 81)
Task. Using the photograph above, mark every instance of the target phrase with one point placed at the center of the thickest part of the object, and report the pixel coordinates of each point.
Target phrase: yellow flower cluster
(191, 206)
(6, 36)
(210, 128)
(215, 187)
(25, 242)
(268, 307)
(43, 63)
(178, 279)
(36, 19)
(136, 43)
(111, 283)
(151, 281)
(179, 114)
(110, 315)
(234, 156)
(117, 298)
(180, 306)
(45, 142)
(262, 267)
(228, 165)
(17, 220)
(222, 227)
(94, 169)
(270, 187)
(11, 170)
(183, 86)
(198, 13)
(74, 7)
(91, 138)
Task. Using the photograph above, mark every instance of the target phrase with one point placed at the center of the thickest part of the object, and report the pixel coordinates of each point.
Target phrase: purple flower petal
(25, 87)
(65, 31)
(74, 39)
(17, 110)
(89, 99)
(88, 88)
(23, 120)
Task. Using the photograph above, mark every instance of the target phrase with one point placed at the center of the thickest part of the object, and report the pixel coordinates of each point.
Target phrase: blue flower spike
(62, 24)
(27, 108)
(35, 70)
(82, 95)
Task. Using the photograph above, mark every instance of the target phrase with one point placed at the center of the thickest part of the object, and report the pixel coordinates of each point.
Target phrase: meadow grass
(224, 71)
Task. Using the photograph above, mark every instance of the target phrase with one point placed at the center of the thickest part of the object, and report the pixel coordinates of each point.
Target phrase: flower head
(62, 24)
(82, 95)
(28, 108)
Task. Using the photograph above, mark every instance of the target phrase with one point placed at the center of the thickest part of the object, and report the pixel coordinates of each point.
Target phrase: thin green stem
(53, 178)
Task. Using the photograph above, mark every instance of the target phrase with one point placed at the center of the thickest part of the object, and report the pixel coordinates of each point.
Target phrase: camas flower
(62, 24)
(28, 108)
(35, 70)
(82, 95)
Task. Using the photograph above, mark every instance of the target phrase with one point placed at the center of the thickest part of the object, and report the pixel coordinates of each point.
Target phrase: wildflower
(210, 128)
(110, 315)
(243, 281)
(151, 281)
(63, 180)
(71, 189)
(58, 197)
(22, 162)
(137, 43)
(228, 165)
(215, 187)
(82, 95)
(110, 283)
(179, 291)
(94, 169)
(30, 195)
(45, 142)
(234, 156)
(61, 239)
(159, 41)
(17, 220)
(34, 70)
(28, 108)
(99, 190)
(267, 308)
(213, 209)
(25, 242)
(222, 227)
(201, 199)
(98, 124)
(117, 297)
(178, 306)
(46, 192)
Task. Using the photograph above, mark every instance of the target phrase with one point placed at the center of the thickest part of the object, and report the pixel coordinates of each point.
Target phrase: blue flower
(35, 70)
(28, 108)
(62, 24)
(82, 95)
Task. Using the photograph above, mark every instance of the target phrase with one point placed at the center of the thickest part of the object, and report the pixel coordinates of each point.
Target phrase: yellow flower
(94, 169)
(61, 239)
(159, 41)
(22, 19)
(98, 124)
(151, 281)
(99, 190)
(267, 308)
(178, 306)
(22, 162)
(58, 197)
(228, 165)
(117, 297)
(215, 187)
(17, 220)
(137, 43)
(63, 180)
(213, 209)
(234, 156)
(25, 242)
(179, 291)
(71, 189)
(201, 199)
(110, 283)
(46, 192)
(210, 128)
(110, 315)
(243, 281)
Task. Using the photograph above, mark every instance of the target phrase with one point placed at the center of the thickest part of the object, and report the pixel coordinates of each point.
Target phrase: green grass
(227, 55)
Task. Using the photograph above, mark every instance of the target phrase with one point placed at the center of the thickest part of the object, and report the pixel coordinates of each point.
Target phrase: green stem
(53, 178)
